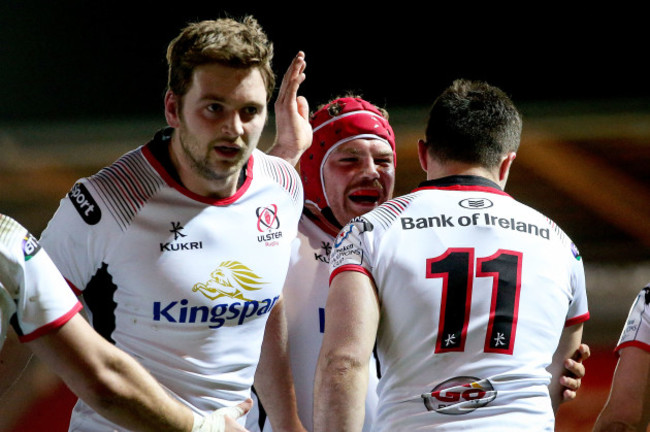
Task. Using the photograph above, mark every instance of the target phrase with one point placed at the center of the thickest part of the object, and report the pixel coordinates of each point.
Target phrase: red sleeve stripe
(350, 267)
(633, 343)
(577, 320)
(47, 328)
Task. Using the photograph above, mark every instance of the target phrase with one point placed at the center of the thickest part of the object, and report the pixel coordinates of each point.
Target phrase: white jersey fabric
(637, 327)
(34, 297)
(183, 283)
(305, 295)
(475, 290)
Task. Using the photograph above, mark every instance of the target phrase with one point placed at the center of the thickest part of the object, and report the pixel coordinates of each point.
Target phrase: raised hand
(293, 131)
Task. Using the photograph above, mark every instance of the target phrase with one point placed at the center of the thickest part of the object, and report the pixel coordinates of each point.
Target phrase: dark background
(80, 59)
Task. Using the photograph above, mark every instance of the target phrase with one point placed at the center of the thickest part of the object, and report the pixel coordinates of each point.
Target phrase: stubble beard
(200, 165)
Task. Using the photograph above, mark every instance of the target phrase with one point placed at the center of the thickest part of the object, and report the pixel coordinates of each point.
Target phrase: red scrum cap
(342, 120)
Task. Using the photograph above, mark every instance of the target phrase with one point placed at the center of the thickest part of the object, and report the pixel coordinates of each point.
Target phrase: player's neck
(437, 170)
(203, 185)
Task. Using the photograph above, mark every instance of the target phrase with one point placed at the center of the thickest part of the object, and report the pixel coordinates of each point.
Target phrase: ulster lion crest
(231, 279)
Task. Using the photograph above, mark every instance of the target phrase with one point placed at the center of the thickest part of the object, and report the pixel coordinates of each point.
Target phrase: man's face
(358, 176)
(218, 123)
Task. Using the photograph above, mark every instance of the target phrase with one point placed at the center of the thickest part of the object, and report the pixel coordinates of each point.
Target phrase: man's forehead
(222, 82)
(359, 145)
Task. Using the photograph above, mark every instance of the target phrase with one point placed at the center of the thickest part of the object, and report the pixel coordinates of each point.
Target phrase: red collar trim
(474, 188)
(169, 179)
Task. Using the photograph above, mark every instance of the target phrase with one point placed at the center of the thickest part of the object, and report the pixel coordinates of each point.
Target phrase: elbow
(341, 365)
(617, 426)
(621, 419)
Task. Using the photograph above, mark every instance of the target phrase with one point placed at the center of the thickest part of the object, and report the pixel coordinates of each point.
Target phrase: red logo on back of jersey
(459, 395)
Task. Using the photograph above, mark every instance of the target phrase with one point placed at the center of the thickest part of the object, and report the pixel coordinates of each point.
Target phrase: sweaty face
(218, 125)
(358, 176)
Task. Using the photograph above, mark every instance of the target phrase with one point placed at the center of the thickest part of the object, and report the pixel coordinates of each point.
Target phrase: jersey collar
(462, 182)
(158, 156)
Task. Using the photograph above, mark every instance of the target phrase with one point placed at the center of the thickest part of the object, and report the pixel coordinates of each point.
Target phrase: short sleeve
(42, 300)
(352, 248)
(636, 331)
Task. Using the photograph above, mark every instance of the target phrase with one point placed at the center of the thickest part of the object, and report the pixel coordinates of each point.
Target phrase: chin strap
(324, 219)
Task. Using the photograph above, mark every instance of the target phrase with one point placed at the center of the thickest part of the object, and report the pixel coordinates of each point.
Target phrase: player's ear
(504, 168)
(422, 154)
(172, 107)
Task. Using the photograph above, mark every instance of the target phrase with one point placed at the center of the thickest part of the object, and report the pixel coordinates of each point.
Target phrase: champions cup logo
(231, 279)
(360, 223)
(343, 234)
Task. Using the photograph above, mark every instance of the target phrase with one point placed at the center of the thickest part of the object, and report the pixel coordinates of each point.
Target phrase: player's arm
(568, 345)
(351, 321)
(628, 405)
(574, 371)
(114, 384)
(13, 361)
(293, 131)
(273, 378)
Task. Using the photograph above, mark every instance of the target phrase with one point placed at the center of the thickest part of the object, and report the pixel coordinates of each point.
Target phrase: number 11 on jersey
(458, 268)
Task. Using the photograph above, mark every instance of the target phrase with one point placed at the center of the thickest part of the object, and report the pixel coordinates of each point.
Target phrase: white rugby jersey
(33, 294)
(475, 290)
(182, 282)
(637, 327)
(305, 295)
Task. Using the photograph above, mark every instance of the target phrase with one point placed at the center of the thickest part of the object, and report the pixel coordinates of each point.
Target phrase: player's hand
(293, 131)
(575, 371)
(223, 419)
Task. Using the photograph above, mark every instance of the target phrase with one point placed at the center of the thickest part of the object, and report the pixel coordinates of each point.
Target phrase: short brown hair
(237, 44)
(473, 122)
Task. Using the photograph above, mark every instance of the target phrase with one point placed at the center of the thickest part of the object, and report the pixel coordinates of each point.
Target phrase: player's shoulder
(10, 227)
(118, 191)
(555, 232)
(377, 221)
(17, 245)
(278, 171)
(132, 171)
(11, 233)
(386, 214)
